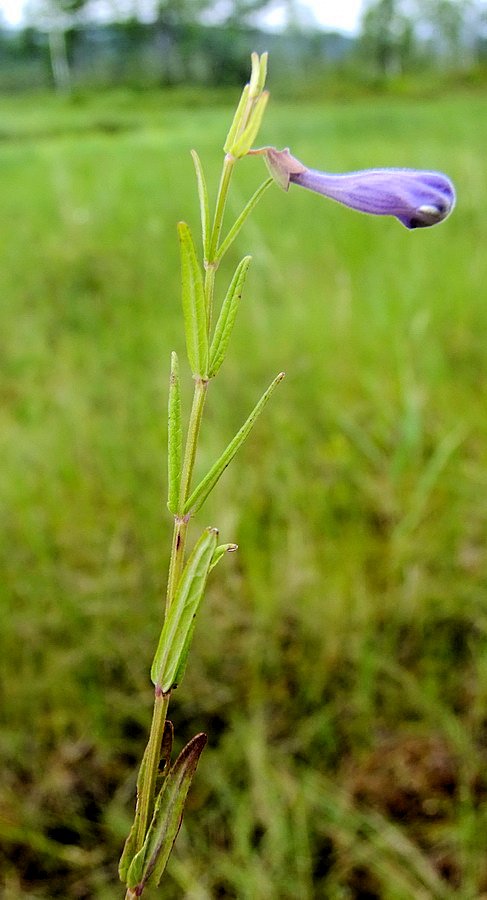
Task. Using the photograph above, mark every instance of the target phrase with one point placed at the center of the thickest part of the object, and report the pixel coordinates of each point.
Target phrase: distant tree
(480, 42)
(56, 18)
(396, 33)
(183, 45)
(452, 26)
(174, 13)
(387, 36)
(240, 12)
(299, 17)
(229, 12)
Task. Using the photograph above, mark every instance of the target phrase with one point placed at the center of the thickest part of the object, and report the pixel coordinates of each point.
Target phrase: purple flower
(417, 198)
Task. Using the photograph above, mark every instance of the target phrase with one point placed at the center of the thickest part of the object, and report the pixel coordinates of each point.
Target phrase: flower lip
(429, 215)
(417, 198)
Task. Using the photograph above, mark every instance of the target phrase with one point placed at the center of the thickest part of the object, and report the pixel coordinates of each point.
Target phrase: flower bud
(250, 110)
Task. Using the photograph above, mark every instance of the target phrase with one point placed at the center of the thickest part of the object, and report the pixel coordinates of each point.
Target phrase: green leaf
(207, 484)
(129, 850)
(151, 860)
(174, 437)
(237, 119)
(178, 677)
(258, 74)
(130, 847)
(226, 319)
(193, 297)
(176, 632)
(204, 205)
(183, 658)
(250, 110)
(232, 234)
(220, 552)
(135, 871)
(245, 141)
(127, 855)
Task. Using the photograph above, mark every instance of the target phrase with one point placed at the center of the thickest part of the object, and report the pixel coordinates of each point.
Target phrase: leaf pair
(205, 361)
(206, 485)
(150, 861)
(174, 642)
(208, 237)
(137, 866)
(194, 304)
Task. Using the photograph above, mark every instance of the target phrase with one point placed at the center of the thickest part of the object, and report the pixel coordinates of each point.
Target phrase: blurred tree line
(403, 35)
(82, 43)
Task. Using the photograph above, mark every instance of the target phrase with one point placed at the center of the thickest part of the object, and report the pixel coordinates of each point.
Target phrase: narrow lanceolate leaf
(193, 297)
(127, 855)
(207, 484)
(226, 319)
(237, 119)
(259, 73)
(177, 630)
(151, 860)
(174, 437)
(204, 205)
(232, 234)
(130, 847)
(178, 676)
(245, 141)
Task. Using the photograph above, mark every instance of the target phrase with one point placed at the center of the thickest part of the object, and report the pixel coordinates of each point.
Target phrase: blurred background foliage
(340, 661)
(78, 44)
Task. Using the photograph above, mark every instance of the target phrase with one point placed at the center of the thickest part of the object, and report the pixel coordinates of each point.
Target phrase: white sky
(342, 15)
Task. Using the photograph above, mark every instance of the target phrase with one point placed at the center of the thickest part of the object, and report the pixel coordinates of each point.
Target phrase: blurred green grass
(340, 663)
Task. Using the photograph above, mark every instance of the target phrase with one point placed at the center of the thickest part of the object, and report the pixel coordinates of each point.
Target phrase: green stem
(194, 426)
(151, 760)
(152, 755)
(209, 291)
(181, 521)
(221, 200)
(150, 763)
(177, 558)
(199, 396)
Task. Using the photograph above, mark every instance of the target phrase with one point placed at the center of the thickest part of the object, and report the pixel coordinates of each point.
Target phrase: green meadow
(339, 664)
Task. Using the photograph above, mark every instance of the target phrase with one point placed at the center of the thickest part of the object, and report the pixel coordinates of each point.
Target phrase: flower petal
(417, 198)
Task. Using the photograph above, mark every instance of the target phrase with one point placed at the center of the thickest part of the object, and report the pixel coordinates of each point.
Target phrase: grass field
(340, 662)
